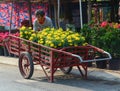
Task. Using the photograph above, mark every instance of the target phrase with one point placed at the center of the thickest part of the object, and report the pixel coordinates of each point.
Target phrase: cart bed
(53, 58)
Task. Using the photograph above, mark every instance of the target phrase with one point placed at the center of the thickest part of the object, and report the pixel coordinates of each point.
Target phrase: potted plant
(1, 51)
(93, 33)
(107, 37)
(87, 31)
(111, 41)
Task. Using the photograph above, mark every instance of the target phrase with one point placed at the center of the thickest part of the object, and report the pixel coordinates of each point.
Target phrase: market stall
(53, 48)
(13, 13)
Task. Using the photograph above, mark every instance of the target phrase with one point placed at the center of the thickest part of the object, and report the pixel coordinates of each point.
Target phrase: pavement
(93, 72)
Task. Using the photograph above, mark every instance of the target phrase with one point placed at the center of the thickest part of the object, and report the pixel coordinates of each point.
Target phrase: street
(11, 80)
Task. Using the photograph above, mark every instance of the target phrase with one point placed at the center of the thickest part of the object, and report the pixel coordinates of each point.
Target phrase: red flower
(118, 25)
(104, 24)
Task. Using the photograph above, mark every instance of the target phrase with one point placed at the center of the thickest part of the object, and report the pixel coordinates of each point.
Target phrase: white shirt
(47, 23)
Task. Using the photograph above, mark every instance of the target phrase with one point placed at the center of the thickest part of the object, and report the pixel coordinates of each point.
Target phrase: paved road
(11, 80)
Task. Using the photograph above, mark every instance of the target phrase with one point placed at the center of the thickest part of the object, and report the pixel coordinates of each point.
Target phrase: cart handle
(81, 60)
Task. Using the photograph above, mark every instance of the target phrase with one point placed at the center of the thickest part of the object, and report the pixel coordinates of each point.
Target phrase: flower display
(104, 35)
(51, 37)
(58, 38)
(4, 35)
(25, 32)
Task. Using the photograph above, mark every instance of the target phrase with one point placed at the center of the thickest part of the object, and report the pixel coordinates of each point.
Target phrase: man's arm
(35, 26)
(49, 22)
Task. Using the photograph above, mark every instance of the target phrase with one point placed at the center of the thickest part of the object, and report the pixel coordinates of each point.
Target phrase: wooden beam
(30, 16)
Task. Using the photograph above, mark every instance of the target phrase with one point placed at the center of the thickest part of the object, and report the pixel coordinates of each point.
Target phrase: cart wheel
(66, 70)
(26, 66)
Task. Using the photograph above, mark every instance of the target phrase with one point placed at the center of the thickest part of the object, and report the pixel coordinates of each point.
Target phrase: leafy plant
(88, 32)
(111, 41)
(105, 35)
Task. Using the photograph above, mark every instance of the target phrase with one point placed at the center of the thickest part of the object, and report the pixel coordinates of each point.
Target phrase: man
(41, 21)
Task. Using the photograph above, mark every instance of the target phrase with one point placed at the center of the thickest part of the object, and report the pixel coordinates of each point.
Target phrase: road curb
(9, 60)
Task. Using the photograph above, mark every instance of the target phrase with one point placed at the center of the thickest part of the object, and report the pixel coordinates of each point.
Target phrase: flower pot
(6, 53)
(89, 64)
(101, 64)
(114, 64)
(1, 51)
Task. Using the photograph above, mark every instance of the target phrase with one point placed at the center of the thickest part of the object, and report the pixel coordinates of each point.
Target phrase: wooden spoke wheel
(26, 66)
(66, 70)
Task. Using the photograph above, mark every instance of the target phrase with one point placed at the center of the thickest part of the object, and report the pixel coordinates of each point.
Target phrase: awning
(24, 0)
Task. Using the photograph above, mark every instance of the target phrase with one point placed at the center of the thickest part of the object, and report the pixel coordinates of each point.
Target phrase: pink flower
(16, 34)
(118, 25)
(111, 24)
(104, 24)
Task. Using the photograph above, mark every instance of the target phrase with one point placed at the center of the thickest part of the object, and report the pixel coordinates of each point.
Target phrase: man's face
(40, 18)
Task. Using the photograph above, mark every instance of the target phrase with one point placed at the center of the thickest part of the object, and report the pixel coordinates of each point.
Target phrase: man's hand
(39, 29)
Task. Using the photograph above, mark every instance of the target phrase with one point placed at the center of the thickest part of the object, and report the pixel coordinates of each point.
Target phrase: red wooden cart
(31, 53)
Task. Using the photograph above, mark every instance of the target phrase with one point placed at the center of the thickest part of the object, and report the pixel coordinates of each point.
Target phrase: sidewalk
(103, 74)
